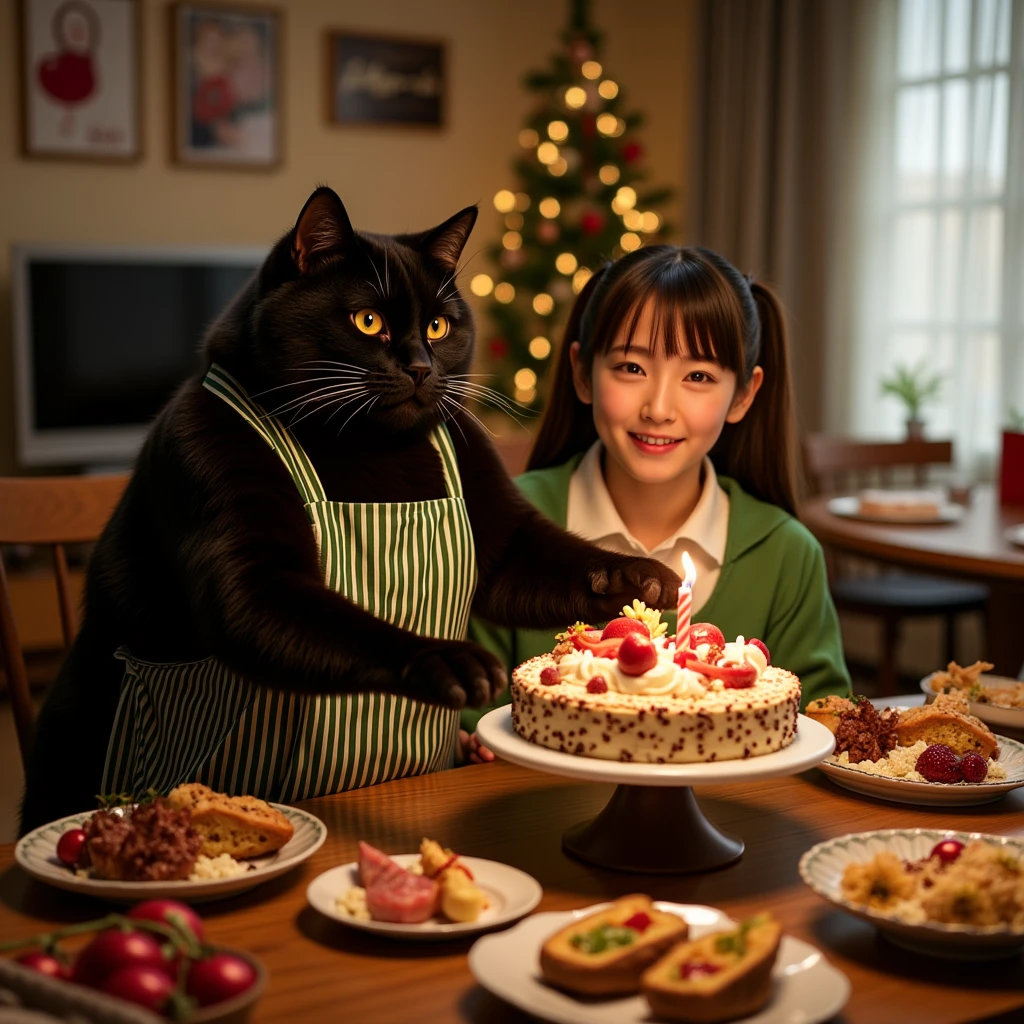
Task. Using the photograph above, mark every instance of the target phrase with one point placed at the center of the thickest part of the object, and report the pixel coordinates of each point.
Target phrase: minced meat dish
(150, 843)
(865, 734)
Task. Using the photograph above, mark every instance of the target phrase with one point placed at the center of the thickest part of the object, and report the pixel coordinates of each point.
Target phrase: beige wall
(390, 180)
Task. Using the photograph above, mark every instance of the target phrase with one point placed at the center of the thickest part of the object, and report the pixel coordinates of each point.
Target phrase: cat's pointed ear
(444, 244)
(322, 230)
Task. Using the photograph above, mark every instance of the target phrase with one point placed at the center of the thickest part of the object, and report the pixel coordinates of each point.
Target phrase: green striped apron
(410, 563)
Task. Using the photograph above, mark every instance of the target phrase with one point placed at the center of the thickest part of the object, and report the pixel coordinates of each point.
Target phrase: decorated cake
(631, 693)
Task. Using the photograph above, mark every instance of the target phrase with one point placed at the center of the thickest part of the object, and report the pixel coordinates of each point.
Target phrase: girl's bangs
(695, 313)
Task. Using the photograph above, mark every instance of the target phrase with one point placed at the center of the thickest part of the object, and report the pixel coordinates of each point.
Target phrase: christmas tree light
(575, 201)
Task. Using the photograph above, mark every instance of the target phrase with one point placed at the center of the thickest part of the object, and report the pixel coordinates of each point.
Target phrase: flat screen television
(103, 336)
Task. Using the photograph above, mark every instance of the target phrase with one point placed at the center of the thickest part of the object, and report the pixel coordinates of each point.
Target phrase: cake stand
(653, 823)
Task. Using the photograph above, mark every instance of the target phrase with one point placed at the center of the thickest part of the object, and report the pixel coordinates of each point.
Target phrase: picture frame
(226, 67)
(80, 78)
(385, 80)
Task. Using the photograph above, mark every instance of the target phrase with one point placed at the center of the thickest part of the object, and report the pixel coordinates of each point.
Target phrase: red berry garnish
(637, 655)
(973, 767)
(623, 626)
(947, 851)
(597, 685)
(939, 763)
(706, 633)
(638, 922)
(763, 647)
(549, 675)
(698, 969)
(69, 845)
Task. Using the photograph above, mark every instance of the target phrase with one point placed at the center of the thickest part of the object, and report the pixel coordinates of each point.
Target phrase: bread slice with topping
(605, 953)
(242, 826)
(828, 710)
(946, 721)
(717, 977)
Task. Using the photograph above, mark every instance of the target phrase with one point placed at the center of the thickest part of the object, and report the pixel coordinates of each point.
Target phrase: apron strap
(442, 441)
(273, 432)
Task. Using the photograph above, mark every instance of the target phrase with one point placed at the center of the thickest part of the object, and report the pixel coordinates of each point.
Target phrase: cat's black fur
(210, 551)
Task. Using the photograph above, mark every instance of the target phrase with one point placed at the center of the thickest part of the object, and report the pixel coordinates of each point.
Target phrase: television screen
(103, 338)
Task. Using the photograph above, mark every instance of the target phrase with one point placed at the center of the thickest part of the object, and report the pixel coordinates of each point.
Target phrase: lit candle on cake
(685, 603)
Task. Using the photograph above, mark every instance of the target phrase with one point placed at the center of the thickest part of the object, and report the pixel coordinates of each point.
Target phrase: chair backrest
(840, 463)
(47, 511)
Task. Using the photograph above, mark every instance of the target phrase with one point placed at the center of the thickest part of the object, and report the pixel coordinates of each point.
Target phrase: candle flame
(689, 570)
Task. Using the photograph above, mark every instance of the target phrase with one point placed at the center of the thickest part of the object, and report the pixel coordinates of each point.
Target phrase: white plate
(1015, 534)
(848, 506)
(906, 791)
(813, 743)
(808, 989)
(991, 714)
(36, 853)
(822, 866)
(511, 893)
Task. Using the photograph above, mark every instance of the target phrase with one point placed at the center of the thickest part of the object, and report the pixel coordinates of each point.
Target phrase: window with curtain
(941, 229)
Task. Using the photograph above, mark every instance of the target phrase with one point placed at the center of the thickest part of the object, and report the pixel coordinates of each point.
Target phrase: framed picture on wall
(80, 79)
(385, 80)
(227, 85)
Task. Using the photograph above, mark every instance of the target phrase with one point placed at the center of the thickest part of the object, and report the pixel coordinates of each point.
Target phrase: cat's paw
(455, 675)
(622, 579)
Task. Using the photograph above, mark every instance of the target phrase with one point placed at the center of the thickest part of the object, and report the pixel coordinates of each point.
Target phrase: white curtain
(933, 223)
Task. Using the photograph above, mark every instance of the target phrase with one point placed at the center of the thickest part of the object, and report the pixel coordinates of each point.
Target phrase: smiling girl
(669, 428)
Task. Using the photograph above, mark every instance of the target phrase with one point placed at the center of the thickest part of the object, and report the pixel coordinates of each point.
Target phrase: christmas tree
(576, 203)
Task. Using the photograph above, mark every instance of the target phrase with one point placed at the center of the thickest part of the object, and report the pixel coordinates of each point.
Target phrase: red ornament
(632, 151)
(592, 223)
(499, 348)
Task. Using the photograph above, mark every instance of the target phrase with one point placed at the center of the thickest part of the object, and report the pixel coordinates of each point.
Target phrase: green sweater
(772, 585)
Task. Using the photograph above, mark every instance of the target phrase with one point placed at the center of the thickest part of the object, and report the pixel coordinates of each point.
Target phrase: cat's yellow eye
(437, 328)
(369, 321)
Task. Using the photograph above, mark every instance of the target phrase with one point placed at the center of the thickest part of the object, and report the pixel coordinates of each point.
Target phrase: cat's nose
(418, 371)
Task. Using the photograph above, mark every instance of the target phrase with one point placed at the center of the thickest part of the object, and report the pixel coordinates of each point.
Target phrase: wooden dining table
(974, 547)
(321, 970)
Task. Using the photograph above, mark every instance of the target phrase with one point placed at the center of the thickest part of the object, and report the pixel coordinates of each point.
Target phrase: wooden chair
(833, 465)
(50, 511)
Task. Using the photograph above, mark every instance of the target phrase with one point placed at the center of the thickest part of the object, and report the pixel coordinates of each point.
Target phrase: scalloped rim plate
(991, 714)
(808, 989)
(813, 742)
(822, 866)
(36, 854)
(512, 894)
(907, 791)
(848, 506)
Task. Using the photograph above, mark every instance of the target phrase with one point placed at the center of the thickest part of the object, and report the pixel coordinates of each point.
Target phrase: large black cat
(360, 341)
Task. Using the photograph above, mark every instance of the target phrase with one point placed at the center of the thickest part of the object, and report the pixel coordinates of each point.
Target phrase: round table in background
(976, 547)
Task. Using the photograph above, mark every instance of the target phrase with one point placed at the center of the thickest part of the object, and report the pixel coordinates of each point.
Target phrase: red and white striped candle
(685, 603)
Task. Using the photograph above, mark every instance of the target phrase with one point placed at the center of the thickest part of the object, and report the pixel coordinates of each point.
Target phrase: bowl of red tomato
(154, 957)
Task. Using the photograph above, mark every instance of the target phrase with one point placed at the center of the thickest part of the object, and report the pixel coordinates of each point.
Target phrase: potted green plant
(1011, 463)
(914, 386)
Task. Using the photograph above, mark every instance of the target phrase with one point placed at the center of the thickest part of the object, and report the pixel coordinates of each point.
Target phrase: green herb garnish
(604, 937)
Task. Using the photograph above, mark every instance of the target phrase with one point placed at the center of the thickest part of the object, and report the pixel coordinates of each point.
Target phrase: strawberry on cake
(628, 694)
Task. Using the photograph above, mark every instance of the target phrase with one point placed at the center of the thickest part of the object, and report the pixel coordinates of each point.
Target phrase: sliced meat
(401, 897)
(373, 862)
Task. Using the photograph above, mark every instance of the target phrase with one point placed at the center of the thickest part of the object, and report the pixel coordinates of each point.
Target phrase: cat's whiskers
(341, 377)
(483, 426)
(372, 399)
(320, 396)
(448, 408)
(488, 396)
(340, 400)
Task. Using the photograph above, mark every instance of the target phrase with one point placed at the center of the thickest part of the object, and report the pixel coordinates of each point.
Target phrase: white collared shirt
(592, 515)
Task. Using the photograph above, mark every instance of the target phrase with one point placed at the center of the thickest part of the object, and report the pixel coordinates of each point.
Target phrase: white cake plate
(654, 801)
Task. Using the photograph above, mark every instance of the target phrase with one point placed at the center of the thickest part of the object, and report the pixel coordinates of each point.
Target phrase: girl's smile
(653, 444)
